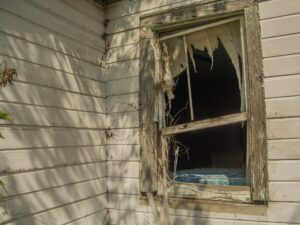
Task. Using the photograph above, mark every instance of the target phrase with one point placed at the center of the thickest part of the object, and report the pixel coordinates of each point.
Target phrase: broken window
(202, 107)
(206, 104)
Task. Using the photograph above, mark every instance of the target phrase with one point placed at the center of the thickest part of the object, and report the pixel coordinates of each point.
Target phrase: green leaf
(4, 116)
(1, 136)
(1, 183)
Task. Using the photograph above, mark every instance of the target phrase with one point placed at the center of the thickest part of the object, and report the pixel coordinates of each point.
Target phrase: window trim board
(151, 151)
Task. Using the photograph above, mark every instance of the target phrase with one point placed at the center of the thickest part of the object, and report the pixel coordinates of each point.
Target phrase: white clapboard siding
(284, 170)
(284, 149)
(122, 86)
(93, 218)
(41, 116)
(122, 24)
(45, 76)
(15, 47)
(66, 213)
(123, 137)
(48, 38)
(123, 185)
(282, 86)
(277, 212)
(123, 38)
(288, 25)
(31, 181)
(29, 159)
(73, 16)
(282, 65)
(20, 138)
(88, 8)
(123, 217)
(123, 169)
(122, 152)
(50, 21)
(283, 107)
(278, 8)
(123, 120)
(123, 103)
(123, 69)
(284, 191)
(50, 97)
(283, 128)
(122, 53)
(35, 202)
(285, 45)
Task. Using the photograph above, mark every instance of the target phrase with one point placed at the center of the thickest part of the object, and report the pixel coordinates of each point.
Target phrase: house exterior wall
(280, 28)
(52, 160)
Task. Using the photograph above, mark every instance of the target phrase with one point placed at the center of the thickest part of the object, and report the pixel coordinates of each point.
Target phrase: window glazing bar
(188, 79)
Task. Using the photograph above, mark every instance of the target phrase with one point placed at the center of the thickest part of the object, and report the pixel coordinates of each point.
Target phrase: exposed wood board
(123, 103)
(19, 48)
(20, 138)
(40, 116)
(122, 53)
(123, 38)
(66, 213)
(282, 86)
(257, 109)
(214, 193)
(288, 25)
(122, 152)
(51, 22)
(121, 70)
(283, 107)
(44, 76)
(122, 169)
(283, 65)
(14, 25)
(122, 86)
(49, 97)
(284, 170)
(284, 149)
(278, 8)
(207, 123)
(123, 185)
(284, 45)
(31, 181)
(123, 136)
(43, 200)
(283, 128)
(14, 160)
(285, 191)
(70, 15)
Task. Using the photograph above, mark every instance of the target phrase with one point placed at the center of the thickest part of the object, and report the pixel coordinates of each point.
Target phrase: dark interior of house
(215, 92)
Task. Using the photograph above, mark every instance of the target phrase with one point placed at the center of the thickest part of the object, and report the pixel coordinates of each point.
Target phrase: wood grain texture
(257, 114)
(207, 123)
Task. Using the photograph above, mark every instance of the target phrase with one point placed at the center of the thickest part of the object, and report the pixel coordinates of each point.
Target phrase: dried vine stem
(7, 75)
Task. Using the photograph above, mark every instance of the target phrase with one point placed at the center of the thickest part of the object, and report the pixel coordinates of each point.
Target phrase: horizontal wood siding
(280, 29)
(53, 157)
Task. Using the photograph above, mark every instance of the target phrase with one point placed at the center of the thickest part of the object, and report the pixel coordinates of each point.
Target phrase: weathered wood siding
(280, 27)
(52, 160)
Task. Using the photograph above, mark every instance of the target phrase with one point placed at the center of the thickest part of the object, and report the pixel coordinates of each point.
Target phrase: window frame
(153, 145)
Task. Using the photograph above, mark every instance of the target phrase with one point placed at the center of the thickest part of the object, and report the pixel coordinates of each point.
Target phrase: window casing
(154, 146)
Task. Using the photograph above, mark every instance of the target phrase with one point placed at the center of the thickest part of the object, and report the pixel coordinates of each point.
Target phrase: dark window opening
(215, 88)
(215, 151)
